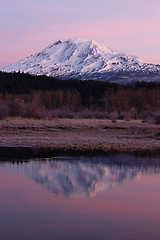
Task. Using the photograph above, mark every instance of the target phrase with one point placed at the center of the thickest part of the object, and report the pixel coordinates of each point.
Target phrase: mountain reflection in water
(76, 177)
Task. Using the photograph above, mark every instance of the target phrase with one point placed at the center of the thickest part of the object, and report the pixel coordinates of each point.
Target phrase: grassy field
(80, 134)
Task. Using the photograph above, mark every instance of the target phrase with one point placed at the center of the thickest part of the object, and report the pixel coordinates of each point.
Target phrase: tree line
(41, 96)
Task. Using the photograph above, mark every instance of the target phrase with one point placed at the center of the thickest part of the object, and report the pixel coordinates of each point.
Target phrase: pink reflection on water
(130, 210)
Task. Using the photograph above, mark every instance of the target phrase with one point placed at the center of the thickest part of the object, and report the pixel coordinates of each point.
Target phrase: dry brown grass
(81, 134)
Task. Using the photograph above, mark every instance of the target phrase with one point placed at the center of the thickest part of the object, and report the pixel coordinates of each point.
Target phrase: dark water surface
(81, 198)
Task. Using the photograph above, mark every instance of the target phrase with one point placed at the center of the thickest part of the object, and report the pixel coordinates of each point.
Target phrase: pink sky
(129, 26)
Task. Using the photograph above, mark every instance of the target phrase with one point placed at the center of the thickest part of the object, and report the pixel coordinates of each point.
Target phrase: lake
(112, 196)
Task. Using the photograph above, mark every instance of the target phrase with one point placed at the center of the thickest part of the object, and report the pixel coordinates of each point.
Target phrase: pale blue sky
(27, 26)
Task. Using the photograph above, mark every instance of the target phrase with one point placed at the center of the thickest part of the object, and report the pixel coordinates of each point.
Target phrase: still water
(81, 198)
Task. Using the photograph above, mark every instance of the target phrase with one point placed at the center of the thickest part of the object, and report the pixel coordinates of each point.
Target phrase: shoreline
(24, 153)
(20, 137)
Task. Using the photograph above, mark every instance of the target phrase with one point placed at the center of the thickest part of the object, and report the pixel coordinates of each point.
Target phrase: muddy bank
(40, 137)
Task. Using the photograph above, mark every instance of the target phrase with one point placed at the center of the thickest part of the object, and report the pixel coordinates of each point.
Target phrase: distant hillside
(19, 83)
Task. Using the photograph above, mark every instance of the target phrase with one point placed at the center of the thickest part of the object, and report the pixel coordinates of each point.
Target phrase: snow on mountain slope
(80, 58)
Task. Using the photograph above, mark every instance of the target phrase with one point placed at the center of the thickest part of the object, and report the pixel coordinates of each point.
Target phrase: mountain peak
(83, 59)
(57, 42)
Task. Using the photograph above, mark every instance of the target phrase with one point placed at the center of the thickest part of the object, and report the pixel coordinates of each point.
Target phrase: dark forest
(42, 97)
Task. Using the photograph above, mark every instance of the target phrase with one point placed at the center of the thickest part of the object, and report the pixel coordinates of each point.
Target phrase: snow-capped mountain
(83, 59)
